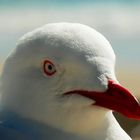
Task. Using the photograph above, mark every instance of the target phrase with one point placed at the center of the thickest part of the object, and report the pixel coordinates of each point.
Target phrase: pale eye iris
(49, 68)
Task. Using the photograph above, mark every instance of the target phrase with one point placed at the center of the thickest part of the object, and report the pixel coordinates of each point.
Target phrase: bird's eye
(49, 68)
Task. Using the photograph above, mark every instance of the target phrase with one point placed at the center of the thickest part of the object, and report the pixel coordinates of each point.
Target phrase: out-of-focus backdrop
(117, 20)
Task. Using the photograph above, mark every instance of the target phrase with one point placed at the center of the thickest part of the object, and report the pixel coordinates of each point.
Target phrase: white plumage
(76, 57)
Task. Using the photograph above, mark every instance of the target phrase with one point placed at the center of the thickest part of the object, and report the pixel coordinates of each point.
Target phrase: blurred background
(117, 20)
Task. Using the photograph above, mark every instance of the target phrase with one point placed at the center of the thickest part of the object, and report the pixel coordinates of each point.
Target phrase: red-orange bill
(116, 98)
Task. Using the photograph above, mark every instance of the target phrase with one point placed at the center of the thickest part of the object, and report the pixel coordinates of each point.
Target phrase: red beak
(116, 98)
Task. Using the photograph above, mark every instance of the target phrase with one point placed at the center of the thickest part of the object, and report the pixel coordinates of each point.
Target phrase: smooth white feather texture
(84, 59)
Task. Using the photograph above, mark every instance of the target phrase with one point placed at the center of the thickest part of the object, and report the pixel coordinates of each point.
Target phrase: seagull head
(62, 74)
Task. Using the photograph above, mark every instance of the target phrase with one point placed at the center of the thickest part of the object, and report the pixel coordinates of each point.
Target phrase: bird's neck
(107, 129)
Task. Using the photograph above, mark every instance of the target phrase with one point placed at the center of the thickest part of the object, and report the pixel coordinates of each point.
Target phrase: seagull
(59, 83)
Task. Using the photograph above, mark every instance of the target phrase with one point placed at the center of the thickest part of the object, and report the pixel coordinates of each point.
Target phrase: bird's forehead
(65, 40)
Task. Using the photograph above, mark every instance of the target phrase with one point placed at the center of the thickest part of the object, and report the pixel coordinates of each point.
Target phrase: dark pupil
(50, 67)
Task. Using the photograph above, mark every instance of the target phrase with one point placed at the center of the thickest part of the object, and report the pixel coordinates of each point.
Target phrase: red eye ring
(49, 68)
